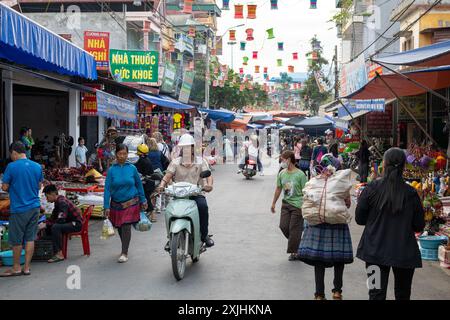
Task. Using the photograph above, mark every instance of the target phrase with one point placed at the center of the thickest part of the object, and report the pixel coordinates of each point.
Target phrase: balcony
(425, 4)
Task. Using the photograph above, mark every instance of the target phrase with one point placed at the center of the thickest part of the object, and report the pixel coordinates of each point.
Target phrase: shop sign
(134, 66)
(168, 83)
(370, 105)
(114, 107)
(353, 76)
(89, 101)
(97, 44)
(374, 68)
(186, 87)
(417, 105)
(379, 124)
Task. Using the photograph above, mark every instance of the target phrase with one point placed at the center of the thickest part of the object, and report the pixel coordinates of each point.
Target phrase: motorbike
(249, 169)
(183, 225)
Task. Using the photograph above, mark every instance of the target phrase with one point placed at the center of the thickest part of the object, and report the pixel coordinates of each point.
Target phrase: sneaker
(337, 295)
(319, 297)
(123, 258)
(208, 242)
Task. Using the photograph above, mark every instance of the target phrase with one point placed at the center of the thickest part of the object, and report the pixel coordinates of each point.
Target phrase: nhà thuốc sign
(97, 44)
(134, 66)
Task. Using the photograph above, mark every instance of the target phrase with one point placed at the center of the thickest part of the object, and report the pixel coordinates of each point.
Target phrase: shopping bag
(107, 229)
(144, 224)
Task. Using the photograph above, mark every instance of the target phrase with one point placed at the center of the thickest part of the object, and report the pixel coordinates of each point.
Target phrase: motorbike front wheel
(178, 254)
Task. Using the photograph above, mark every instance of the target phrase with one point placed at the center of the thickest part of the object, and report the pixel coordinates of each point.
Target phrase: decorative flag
(295, 55)
(249, 32)
(280, 46)
(265, 69)
(187, 6)
(256, 69)
(242, 46)
(274, 4)
(313, 4)
(270, 34)
(255, 54)
(291, 69)
(245, 61)
(280, 62)
(251, 11)
(226, 5)
(192, 32)
(238, 11)
(232, 35)
(266, 76)
(241, 70)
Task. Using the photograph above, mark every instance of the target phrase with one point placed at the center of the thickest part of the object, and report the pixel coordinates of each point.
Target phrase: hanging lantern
(238, 11)
(232, 35)
(242, 46)
(251, 11)
(313, 4)
(216, 71)
(256, 69)
(280, 46)
(187, 6)
(226, 5)
(179, 56)
(255, 54)
(270, 34)
(310, 62)
(314, 55)
(274, 4)
(191, 32)
(291, 69)
(295, 55)
(241, 70)
(249, 32)
(213, 52)
(191, 65)
(265, 69)
(279, 62)
(245, 61)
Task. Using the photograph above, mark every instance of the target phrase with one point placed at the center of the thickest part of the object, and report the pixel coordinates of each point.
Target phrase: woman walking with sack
(324, 246)
(292, 181)
(124, 197)
(391, 211)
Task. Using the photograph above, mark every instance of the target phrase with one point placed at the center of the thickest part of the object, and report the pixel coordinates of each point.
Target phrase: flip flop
(10, 273)
(26, 273)
(55, 259)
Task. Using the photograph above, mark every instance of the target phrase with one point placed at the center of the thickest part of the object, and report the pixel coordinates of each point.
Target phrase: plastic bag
(144, 224)
(107, 229)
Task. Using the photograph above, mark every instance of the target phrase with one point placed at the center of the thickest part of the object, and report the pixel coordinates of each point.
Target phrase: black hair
(18, 147)
(393, 187)
(334, 150)
(319, 141)
(51, 188)
(23, 131)
(121, 147)
(79, 139)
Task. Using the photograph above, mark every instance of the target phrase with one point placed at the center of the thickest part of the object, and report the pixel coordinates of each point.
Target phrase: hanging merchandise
(295, 55)
(249, 34)
(280, 62)
(187, 6)
(245, 61)
(232, 35)
(256, 69)
(291, 69)
(270, 34)
(313, 4)
(280, 46)
(177, 117)
(238, 11)
(251, 11)
(242, 46)
(255, 54)
(265, 69)
(226, 5)
(274, 4)
(191, 32)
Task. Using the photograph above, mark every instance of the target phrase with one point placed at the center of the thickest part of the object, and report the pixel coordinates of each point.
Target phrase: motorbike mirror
(205, 174)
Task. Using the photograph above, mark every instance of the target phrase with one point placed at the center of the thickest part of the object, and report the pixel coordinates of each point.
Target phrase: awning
(164, 101)
(239, 124)
(437, 54)
(287, 114)
(255, 126)
(25, 42)
(219, 115)
(355, 115)
(433, 78)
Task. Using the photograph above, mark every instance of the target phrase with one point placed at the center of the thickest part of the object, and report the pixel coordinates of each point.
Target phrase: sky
(294, 24)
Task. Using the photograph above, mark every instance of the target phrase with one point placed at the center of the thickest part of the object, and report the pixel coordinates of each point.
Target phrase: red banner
(89, 101)
(97, 44)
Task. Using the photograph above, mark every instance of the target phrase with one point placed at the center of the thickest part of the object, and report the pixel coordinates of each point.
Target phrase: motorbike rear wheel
(178, 254)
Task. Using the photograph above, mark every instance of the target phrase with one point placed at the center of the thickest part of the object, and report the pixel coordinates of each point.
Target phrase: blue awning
(164, 101)
(430, 56)
(25, 42)
(219, 115)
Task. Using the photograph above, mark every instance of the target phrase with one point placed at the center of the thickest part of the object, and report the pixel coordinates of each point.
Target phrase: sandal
(55, 259)
(26, 273)
(11, 273)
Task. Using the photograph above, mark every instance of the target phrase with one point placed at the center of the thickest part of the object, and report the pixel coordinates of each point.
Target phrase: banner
(168, 83)
(134, 66)
(89, 101)
(321, 83)
(353, 76)
(186, 87)
(114, 107)
(354, 106)
(97, 44)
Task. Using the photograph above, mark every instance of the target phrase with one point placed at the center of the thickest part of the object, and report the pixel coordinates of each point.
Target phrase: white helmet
(186, 140)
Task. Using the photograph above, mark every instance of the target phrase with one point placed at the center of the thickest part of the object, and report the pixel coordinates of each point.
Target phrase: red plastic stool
(84, 233)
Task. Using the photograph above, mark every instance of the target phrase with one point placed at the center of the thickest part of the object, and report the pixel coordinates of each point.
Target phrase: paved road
(248, 261)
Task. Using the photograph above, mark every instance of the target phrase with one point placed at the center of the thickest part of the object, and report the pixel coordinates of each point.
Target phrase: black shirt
(388, 239)
(144, 166)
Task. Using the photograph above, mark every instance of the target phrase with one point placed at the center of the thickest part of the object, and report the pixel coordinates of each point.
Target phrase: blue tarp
(164, 101)
(114, 107)
(430, 56)
(219, 115)
(25, 42)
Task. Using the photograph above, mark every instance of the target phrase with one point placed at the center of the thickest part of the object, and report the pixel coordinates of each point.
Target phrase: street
(247, 262)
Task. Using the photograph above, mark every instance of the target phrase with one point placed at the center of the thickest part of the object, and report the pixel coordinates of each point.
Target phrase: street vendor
(65, 218)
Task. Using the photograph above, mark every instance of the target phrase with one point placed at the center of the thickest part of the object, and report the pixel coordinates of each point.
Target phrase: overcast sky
(294, 24)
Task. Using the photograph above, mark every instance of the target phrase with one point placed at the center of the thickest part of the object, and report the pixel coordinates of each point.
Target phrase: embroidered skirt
(125, 212)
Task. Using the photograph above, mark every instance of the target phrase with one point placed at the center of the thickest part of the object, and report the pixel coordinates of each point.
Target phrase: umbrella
(295, 120)
(292, 128)
(315, 125)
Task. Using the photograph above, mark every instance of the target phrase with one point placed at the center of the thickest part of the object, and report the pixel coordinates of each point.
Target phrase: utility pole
(231, 44)
(207, 73)
(336, 74)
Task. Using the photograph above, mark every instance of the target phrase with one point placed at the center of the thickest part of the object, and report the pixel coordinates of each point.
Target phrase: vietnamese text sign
(168, 84)
(97, 44)
(114, 107)
(134, 66)
(89, 101)
(186, 87)
(370, 104)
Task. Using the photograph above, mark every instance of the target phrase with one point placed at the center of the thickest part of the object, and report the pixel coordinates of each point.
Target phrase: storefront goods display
(65, 174)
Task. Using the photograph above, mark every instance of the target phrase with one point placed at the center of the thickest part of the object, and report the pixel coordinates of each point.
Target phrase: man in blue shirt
(22, 179)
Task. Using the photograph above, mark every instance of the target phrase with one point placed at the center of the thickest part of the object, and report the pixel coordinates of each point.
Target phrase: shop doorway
(89, 131)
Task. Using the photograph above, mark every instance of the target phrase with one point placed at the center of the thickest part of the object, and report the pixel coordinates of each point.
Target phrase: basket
(429, 254)
(7, 258)
(43, 250)
(431, 242)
